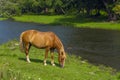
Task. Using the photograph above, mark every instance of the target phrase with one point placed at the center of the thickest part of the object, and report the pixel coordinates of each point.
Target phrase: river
(98, 46)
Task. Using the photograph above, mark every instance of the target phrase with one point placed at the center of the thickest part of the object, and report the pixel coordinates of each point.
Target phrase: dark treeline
(109, 8)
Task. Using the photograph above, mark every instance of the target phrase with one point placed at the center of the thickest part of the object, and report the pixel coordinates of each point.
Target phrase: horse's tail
(21, 43)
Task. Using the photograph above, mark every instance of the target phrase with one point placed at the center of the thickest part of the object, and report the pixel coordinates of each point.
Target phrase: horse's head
(62, 57)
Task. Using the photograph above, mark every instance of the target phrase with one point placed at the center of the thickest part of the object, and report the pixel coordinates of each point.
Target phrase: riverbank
(13, 66)
(2, 18)
(74, 21)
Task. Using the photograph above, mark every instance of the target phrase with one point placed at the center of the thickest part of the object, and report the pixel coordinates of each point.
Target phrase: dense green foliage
(75, 21)
(109, 8)
(14, 67)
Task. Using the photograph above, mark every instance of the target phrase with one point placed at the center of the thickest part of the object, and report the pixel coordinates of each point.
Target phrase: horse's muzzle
(62, 66)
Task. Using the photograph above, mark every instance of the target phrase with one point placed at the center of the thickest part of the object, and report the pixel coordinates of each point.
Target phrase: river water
(98, 46)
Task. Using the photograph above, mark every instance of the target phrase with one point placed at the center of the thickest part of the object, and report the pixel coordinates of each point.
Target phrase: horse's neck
(61, 49)
(58, 43)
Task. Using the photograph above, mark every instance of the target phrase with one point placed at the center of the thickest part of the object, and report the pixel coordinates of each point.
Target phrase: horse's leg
(27, 47)
(52, 57)
(46, 55)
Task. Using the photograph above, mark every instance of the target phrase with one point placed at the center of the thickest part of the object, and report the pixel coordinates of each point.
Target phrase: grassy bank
(14, 67)
(2, 18)
(78, 21)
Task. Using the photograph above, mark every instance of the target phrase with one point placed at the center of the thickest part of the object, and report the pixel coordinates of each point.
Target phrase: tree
(116, 9)
(109, 4)
(87, 7)
(45, 5)
(57, 6)
(9, 8)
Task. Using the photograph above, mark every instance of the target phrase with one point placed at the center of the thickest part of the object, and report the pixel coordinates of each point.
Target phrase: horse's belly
(39, 45)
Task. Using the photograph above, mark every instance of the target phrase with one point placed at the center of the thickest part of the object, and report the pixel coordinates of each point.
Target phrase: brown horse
(43, 40)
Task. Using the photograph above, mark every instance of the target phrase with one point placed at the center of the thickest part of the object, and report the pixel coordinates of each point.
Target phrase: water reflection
(95, 45)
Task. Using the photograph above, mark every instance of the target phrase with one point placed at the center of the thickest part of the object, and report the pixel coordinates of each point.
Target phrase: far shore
(69, 20)
(81, 22)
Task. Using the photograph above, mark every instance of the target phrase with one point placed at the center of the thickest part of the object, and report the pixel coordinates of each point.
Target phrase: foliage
(9, 8)
(116, 9)
(14, 67)
(89, 7)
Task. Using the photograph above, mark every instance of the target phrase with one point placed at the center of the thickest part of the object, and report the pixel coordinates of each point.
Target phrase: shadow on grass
(38, 61)
(32, 60)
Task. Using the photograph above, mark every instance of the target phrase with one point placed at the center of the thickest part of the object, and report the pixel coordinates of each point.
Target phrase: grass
(43, 19)
(76, 21)
(14, 67)
(2, 18)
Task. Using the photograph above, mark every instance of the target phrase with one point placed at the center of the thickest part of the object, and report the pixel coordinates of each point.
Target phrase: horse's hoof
(28, 61)
(45, 64)
(53, 64)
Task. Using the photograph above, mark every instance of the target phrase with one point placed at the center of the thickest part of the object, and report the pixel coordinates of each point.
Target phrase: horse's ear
(61, 53)
(65, 55)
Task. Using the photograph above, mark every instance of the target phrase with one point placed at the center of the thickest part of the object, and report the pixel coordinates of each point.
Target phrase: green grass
(14, 67)
(3, 19)
(76, 21)
(43, 19)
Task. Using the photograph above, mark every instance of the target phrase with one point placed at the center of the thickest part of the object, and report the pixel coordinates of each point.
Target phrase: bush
(9, 9)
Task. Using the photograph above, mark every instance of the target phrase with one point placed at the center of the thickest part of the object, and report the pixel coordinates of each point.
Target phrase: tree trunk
(88, 11)
(62, 10)
(112, 17)
(46, 10)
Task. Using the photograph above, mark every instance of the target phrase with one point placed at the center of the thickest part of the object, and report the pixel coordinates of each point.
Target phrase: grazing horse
(42, 40)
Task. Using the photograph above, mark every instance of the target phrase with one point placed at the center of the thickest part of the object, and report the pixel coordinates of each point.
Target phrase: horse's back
(26, 35)
(38, 38)
(43, 39)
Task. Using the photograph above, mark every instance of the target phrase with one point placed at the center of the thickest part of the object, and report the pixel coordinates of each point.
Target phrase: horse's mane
(58, 43)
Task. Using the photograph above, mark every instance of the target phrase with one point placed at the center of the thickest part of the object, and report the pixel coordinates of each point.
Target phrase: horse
(43, 40)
